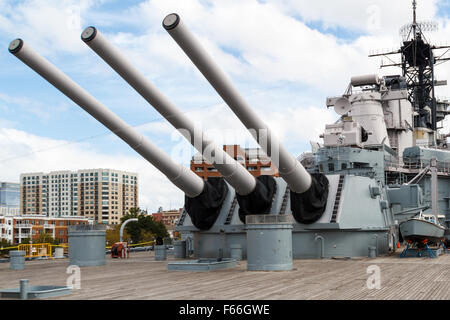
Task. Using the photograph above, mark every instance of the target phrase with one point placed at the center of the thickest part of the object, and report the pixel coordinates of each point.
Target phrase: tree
(46, 238)
(146, 228)
(146, 236)
(113, 235)
(26, 241)
(4, 244)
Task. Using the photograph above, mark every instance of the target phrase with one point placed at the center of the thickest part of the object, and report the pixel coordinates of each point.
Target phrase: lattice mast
(417, 63)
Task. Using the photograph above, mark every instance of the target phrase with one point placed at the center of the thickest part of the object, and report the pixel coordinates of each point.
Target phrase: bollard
(160, 253)
(23, 289)
(17, 260)
(59, 253)
(179, 248)
(372, 252)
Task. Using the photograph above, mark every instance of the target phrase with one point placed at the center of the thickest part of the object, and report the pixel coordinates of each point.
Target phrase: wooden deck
(140, 277)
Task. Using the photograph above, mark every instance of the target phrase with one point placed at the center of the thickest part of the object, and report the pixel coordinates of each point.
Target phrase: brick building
(169, 218)
(254, 160)
(15, 229)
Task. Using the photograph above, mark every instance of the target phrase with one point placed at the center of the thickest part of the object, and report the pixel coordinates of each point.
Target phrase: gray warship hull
(419, 230)
(379, 164)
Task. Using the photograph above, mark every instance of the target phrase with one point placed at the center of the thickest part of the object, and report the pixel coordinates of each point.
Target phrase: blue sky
(284, 56)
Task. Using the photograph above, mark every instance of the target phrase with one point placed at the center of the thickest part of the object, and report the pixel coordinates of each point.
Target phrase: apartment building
(15, 229)
(102, 195)
(9, 198)
(253, 159)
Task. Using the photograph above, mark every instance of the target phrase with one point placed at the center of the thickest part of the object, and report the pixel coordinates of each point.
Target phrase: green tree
(145, 227)
(113, 235)
(46, 238)
(146, 236)
(26, 241)
(4, 244)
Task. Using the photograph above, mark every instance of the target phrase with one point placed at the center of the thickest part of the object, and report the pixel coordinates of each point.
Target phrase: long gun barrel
(308, 193)
(298, 179)
(233, 172)
(183, 178)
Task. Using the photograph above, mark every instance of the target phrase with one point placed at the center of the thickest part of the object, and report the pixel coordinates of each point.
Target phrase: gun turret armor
(310, 192)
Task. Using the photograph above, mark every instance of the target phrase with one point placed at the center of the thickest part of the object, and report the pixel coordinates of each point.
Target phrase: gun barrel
(243, 182)
(290, 169)
(183, 178)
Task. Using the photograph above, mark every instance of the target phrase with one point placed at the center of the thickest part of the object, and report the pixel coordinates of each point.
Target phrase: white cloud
(260, 45)
(23, 152)
(257, 42)
(367, 16)
(38, 109)
(49, 26)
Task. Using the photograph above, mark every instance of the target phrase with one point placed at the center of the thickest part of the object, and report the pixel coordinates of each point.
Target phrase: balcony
(22, 235)
(23, 225)
(49, 225)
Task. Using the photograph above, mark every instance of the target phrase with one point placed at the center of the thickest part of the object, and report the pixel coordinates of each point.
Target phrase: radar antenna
(417, 63)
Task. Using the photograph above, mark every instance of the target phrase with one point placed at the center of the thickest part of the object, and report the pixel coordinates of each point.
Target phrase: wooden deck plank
(140, 277)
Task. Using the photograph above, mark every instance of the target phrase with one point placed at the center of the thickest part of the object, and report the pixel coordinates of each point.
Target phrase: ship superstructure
(400, 117)
(380, 164)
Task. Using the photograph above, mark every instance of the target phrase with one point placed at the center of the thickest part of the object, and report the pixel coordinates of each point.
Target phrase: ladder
(182, 217)
(230, 213)
(285, 200)
(337, 200)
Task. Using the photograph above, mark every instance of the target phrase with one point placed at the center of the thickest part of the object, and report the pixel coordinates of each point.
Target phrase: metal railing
(36, 250)
(23, 225)
(419, 164)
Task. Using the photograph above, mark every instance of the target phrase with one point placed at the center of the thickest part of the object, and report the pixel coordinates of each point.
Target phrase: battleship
(372, 172)
(379, 177)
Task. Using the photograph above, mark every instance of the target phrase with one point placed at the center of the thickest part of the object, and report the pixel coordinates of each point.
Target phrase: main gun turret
(254, 194)
(308, 192)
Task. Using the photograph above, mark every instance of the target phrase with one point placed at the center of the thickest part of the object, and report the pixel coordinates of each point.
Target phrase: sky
(285, 57)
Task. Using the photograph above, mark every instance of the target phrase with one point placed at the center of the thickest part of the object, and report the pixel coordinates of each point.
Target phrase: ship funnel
(308, 192)
(183, 178)
(233, 172)
(290, 169)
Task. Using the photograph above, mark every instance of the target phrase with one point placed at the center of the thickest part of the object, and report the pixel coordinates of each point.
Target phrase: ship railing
(353, 91)
(416, 164)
